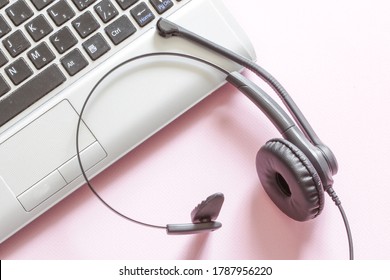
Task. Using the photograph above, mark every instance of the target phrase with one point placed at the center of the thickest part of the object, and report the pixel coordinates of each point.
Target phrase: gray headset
(295, 170)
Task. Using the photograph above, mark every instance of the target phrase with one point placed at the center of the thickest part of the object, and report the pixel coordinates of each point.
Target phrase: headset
(295, 170)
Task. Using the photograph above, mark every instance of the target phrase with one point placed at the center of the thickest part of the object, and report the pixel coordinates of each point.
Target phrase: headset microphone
(205, 214)
(203, 217)
(295, 170)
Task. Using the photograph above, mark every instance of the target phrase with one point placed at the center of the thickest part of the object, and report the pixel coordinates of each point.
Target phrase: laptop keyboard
(46, 42)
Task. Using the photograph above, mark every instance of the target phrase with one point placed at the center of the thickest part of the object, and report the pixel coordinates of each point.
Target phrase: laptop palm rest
(33, 178)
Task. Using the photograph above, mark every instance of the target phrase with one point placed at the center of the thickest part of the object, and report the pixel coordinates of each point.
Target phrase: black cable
(337, 201)
(83, 172)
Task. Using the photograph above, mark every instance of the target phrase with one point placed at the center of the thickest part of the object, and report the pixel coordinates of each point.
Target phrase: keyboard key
(82, 4)
(4, 87)
(60, 12)
(63, 40)
(74, 62)
(41, 55)
(18, 71)
(161, 5)
(4, 27)
(142, 14)
(3, 59)
(3, 3)
(85, 24)
(38, 28)
(16, 43)
(126, 3)
(106, 10)
(40, 4)
(120, 29)
(19, 12)
(96, 46)
(33, 90)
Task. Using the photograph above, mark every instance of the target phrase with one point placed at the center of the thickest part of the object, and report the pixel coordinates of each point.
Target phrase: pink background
(334, 59)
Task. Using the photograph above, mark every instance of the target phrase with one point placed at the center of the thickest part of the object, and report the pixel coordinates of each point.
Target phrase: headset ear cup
(290, 180)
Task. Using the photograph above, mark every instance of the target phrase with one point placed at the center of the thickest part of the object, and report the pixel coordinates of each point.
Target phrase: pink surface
(334, 59)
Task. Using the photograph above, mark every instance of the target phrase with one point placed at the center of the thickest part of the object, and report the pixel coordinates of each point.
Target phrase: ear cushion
(290, 180)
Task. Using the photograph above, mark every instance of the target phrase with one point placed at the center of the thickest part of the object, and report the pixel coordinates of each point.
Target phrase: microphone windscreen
(208, 210)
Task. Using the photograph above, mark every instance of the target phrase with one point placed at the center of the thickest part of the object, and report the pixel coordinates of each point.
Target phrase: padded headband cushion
(290, 180)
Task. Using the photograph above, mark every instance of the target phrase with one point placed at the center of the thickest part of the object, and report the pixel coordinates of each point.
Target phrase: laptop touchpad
(36, 169)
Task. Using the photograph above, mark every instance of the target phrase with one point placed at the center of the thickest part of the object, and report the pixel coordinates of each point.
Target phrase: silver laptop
(52, 52)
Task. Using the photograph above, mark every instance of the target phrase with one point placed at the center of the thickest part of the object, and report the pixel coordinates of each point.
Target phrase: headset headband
(322, 157)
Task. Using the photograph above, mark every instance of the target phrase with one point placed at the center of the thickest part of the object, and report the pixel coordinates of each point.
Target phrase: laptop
(52, 53)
